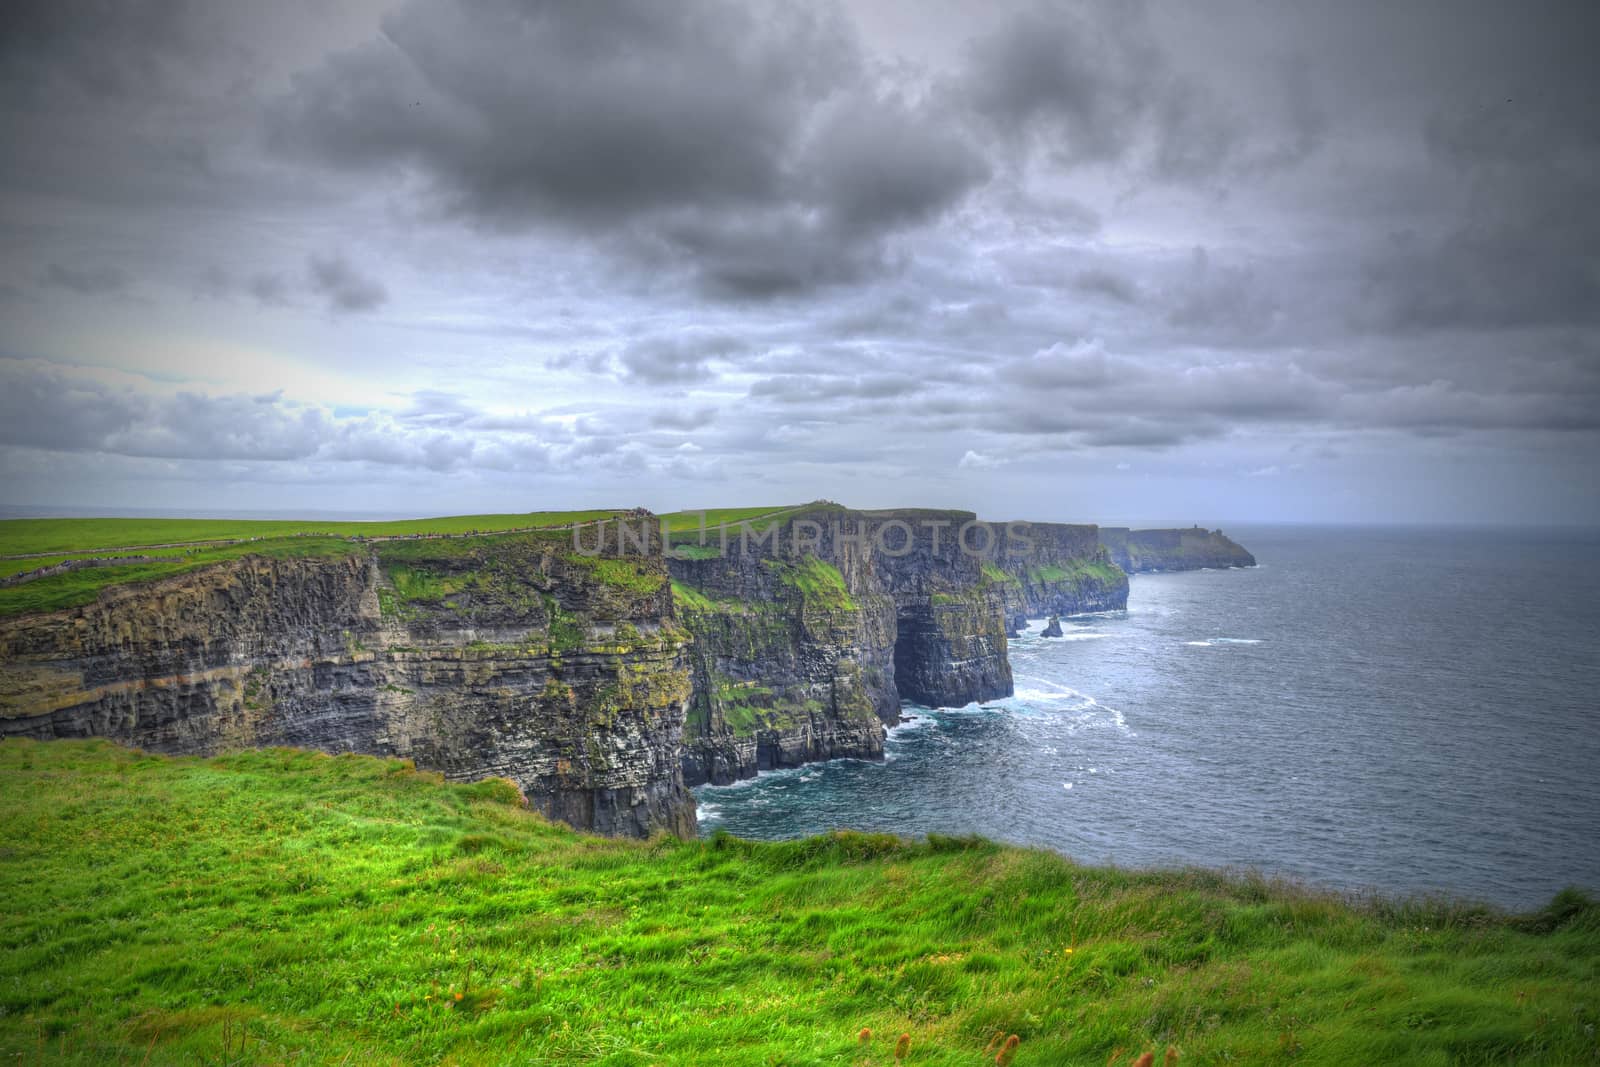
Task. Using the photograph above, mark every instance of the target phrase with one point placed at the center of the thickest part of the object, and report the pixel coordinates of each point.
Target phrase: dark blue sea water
(1401, 710)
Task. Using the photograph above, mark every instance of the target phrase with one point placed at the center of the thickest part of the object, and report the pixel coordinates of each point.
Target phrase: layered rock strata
(506, 656)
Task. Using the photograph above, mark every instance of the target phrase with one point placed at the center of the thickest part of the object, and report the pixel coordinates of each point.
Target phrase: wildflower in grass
(864, 1038)
(1147, 1060)
(902, 1047)
(1008, 1051)
(1171, 1057)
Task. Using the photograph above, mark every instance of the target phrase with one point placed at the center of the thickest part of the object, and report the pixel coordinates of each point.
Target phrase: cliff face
(1172, 550)
(792, 661)
(809, 631)
(509, 656)
(1059, 569)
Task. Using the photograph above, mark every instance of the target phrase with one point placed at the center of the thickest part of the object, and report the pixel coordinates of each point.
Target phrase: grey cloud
(1527, 260)
(435, 407)
(1108, 284)
(880, 164)
(1085, 82)
(675, 359)
(1222, 300)
(86, 281)
(591, 110)
(342, 286)
(1083, 365)
(1093, 86)
(684, 418)
(752, 145)
(809, 388)
(105, 51)
(50, 408)
(270, 290)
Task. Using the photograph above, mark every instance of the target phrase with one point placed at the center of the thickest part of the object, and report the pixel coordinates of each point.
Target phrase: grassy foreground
(281, 906)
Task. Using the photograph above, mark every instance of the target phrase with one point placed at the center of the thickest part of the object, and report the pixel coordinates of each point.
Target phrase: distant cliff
(476, 656)
(1172, 550)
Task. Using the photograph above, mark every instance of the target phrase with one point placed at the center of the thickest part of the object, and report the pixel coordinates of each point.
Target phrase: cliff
(1172, 550)
(602, 685)
(506, 656)
(1059, 569)
(809, 630)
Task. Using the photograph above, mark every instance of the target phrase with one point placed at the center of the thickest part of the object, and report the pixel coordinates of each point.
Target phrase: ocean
(1404, 711)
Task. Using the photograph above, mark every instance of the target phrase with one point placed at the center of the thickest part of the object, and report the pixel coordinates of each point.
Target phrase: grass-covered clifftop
(278, 906)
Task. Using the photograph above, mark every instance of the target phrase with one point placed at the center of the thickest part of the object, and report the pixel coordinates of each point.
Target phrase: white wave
(1066, 785)
(911, 724)
(1198, 644)
(1047, 694)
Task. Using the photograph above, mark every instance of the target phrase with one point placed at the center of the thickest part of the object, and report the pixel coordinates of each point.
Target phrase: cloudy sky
(1226, 260)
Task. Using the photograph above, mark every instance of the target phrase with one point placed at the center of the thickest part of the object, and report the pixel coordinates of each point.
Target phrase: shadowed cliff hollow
(601, 676)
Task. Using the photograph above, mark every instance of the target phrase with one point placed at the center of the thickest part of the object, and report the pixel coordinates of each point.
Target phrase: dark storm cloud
(104, 50)
(1091, 85)
(342, 287)
(700, 237)
(1085, 84)
(144, 104)
(752, 144)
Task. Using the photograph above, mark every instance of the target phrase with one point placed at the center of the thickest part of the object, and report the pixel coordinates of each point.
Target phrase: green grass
(1081, 571)
(820, 584)
(633, 575)
(688, 598)
(994, 574)
(689, 521)
(279, 906)
(81, 587)
(83, 536)
(693, 550)
(8, 567)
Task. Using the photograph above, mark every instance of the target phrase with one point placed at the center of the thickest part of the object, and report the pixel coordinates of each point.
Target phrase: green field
(184, 544)
(76, 537)
(279, 906)
(81, 537)
(68, 590)
(689, 521)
